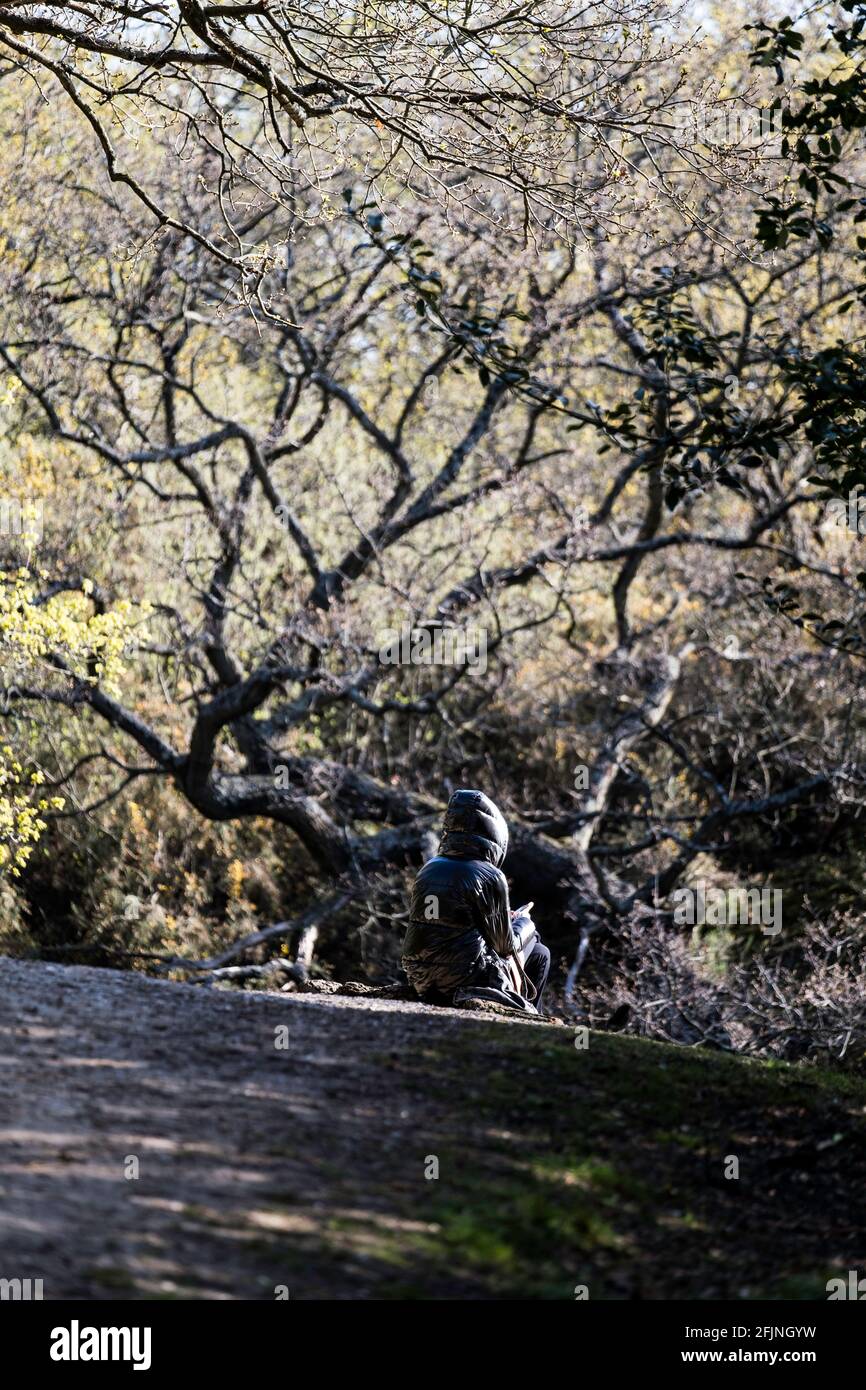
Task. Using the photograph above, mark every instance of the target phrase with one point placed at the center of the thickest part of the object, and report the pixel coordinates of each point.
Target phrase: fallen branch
(309, 922)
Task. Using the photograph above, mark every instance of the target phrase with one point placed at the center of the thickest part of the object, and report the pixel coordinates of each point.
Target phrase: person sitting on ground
(463, 941)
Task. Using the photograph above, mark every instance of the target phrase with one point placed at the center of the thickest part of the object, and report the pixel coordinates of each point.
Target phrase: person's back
(460, 932)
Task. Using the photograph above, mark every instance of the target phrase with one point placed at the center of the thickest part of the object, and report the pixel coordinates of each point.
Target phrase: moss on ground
(605, 1168)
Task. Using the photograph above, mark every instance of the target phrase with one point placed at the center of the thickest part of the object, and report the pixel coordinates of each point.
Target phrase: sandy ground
(249, 1155)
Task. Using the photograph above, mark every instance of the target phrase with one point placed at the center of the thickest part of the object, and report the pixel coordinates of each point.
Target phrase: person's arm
(524, 928)
(495, 913)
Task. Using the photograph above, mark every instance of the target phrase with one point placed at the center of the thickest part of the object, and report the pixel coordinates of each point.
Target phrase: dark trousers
(537, 968)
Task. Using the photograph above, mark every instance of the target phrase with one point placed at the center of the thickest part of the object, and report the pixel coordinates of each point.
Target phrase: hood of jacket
(474, 828)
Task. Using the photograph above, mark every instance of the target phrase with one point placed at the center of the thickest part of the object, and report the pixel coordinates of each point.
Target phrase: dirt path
(249, 1153)
(392, 1151)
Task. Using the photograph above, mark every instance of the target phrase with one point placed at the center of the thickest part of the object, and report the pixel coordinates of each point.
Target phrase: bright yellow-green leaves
(21, 822)
(92, 644)
(33, 635)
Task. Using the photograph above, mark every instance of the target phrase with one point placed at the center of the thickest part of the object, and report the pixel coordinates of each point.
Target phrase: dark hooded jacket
(460, 920)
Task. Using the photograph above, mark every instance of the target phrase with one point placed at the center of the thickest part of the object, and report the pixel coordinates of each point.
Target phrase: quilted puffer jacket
(460, 930)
